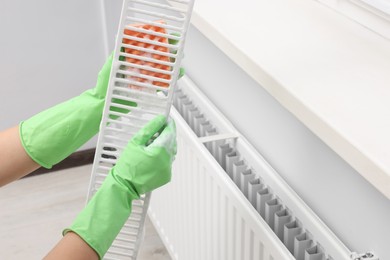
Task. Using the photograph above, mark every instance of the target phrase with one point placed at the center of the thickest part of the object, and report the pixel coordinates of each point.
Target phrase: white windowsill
(330, 72)
(363, 13)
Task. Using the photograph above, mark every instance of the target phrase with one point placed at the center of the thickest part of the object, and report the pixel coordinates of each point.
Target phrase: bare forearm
(14, 161)
(72, 247)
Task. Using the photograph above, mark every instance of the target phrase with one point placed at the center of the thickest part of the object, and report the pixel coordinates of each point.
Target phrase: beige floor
(33, 212)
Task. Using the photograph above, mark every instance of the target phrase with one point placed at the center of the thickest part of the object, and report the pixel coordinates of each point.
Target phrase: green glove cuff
(53, 134)
(105, 214)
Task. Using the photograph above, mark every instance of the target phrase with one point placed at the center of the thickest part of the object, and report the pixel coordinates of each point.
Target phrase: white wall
(50, 51)
(112, 10)
(347, 203)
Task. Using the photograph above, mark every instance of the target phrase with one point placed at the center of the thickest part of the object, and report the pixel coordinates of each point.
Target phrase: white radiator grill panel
(226, 202)
(145, 67)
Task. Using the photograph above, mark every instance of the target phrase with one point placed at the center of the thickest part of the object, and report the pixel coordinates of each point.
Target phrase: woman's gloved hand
(140, 169)
(52, 135)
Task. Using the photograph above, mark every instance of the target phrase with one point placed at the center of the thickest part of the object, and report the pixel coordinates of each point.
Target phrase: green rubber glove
(52, 135)
(140, 169)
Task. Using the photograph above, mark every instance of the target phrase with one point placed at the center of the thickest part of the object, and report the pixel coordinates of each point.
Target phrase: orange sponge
(160, 39)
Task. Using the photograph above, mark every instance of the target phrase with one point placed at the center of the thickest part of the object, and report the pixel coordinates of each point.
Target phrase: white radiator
(226, 202)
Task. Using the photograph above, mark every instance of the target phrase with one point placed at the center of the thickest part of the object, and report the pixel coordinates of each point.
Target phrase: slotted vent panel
(145, 68)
